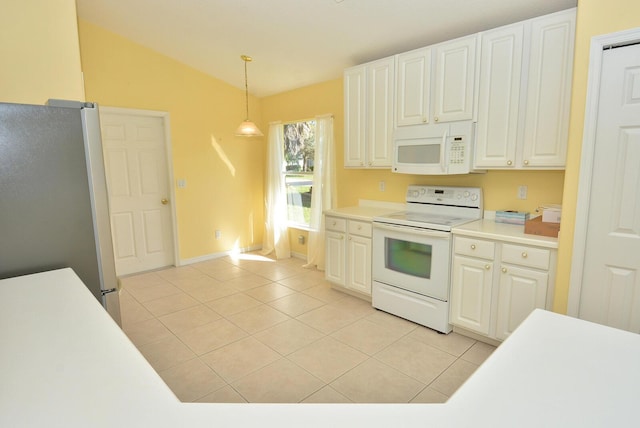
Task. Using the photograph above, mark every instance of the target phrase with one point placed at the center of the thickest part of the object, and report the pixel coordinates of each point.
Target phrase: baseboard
(476, 336)
(213, 256)
(299, 256)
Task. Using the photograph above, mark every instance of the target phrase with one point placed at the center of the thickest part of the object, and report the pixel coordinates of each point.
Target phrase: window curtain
(323, 196)
(276, 234)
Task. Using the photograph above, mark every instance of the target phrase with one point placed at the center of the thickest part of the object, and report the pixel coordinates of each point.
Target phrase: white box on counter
(551, 213)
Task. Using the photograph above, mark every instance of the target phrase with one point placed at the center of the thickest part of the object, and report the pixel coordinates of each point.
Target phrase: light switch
(182, 183)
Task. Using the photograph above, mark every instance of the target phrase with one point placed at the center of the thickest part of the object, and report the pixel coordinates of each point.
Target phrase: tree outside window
(299, 152)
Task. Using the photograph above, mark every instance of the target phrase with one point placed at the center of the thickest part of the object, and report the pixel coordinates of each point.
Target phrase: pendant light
(247, 128)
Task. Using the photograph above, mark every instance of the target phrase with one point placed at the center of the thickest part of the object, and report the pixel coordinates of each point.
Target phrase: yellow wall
(224, 186)
(39, 51)
(594, 18)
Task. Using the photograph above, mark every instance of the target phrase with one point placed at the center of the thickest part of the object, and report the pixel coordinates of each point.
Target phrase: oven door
(412, 258)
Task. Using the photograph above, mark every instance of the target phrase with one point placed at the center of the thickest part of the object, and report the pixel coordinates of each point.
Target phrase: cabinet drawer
(360, 228)
(526, 256)
(336, 224)
(474, 247)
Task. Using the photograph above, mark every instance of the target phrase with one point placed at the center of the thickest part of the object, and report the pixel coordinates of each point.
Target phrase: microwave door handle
(444, 159)
(414, 231)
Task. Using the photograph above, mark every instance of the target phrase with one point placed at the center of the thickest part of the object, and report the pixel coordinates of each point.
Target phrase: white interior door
(138, 180)
(610, 289)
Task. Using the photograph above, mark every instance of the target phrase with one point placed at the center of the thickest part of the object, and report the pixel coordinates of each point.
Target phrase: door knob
(164, 201)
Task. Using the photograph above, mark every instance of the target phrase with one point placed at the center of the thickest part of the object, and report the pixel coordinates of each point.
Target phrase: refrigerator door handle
(111, 290)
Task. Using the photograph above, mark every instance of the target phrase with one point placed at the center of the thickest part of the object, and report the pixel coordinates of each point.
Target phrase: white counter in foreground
(64, 362)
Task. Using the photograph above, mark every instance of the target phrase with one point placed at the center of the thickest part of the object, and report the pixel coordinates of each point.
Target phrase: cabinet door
(335, 257)
(471, 294)
(355, 118)
(499, 96)
(549, 90)
(413, 89)
(455, 65)
(521, 291)
(359, 259)
(381, 79)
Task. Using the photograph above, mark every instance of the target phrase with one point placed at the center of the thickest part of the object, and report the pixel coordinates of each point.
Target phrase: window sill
(299, 227)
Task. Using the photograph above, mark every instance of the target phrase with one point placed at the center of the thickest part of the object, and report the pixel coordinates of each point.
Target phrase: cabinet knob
(473, 246)
(334, 223)
(359, 227)
(524, 255)
(436, 118)
(509, 162)
(361, 163)
(526, 162)
(487, 267)
(504, 270)
(424, 120)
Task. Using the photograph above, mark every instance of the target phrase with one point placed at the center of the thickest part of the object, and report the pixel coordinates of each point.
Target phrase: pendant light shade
(247, 128)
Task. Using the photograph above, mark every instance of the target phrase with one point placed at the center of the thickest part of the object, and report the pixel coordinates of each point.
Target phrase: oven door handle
(414, 230)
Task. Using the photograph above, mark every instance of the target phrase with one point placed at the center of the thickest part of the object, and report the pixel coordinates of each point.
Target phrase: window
(299, 152)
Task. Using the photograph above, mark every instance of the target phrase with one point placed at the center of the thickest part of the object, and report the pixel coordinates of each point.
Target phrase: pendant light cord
(246, 59)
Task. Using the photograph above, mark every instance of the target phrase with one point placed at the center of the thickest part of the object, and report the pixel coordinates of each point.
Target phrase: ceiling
(295, 43)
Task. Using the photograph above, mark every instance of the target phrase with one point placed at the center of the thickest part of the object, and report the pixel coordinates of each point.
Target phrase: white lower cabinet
(348, 253)
(497, 284)
(521, 291)
(471, 294)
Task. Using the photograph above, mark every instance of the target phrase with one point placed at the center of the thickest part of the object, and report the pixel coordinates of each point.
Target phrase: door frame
(164, 116)
(598, 45)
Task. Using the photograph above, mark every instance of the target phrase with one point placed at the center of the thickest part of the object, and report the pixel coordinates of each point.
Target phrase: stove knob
(474, 197)
(423, 191)
(415, 193)
(466, 194)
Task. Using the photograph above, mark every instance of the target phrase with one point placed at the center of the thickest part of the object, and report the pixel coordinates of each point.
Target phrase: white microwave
(434, 149)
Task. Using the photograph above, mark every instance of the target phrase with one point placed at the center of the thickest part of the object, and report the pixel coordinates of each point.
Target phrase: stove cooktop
(438, 208)
(424, 220)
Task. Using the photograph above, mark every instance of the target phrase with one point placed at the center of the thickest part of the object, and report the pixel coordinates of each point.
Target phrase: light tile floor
(251, 329)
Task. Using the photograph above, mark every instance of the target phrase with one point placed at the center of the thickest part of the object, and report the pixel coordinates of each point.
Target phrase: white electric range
(412, 253)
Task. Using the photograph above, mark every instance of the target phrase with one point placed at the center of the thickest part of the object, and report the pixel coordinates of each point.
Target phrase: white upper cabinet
(436, 83)
(524, 93)
(413, 90)
(455, 65)
(514, 81)
(368, 104)
(546, 127)
(499, 96)
(355, 116)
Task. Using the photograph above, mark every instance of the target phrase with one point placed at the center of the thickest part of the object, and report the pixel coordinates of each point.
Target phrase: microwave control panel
(457, 161)
(457, 151)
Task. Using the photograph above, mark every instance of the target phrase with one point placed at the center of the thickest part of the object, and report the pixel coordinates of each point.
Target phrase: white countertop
(64, 362)
(366, 210)
(489, 229)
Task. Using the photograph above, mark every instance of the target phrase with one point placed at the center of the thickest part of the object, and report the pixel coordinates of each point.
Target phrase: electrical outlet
(522, 192)
(218, 234)
(381, 186)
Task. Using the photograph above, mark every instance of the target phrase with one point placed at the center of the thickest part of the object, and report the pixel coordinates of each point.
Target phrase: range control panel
(444, 195)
